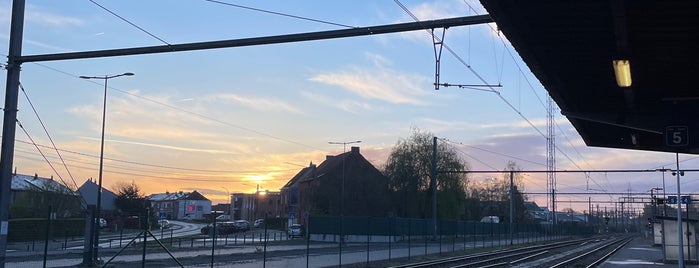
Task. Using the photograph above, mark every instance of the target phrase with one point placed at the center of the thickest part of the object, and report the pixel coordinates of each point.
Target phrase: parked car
(223, 228)
(258, 223)
(102, 223)
(164, 223)
(295, 230)
(223, 218)
(491, 219)
(241, 225)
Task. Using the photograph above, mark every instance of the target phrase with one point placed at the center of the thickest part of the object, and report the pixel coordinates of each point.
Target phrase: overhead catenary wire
(529, 83)
(281, 14)
(28, 155)
(129, 22)
(47, 134)
(473, 71)
(51, 165)
(470, 156)
(150, 165)
(209, 118)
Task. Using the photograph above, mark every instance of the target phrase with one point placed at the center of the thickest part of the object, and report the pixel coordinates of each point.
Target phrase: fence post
(441, 222)
(424, 237)
(391, 230)
(464, 230)
(264, 247)
(368, 226)
(308, 239)
(48, 233)
(409, 237)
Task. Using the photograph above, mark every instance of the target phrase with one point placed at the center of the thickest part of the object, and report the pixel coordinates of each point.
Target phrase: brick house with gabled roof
(30, 196)
(180, 205)
(317, 190)
(290, 195)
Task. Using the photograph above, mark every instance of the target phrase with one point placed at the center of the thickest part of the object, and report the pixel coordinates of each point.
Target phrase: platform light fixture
(622, 72)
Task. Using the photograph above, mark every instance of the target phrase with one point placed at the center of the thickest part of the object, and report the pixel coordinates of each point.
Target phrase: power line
(129, 22)
(519, 68)
(185, 111)
(47, 133)
(51, 165)
(280, 14)
(146, 164)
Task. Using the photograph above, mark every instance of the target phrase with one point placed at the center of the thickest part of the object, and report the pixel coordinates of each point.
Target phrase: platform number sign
(672, 199)
(685, 199)
(676, 136)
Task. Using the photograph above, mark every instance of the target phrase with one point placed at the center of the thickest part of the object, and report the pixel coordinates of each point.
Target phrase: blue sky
(226, 120)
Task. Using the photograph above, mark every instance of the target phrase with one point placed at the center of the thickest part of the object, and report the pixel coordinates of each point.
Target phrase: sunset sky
(226, 120)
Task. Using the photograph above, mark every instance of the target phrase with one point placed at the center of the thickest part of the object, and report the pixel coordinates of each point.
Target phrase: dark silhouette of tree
(129, 200)
(409, 169)
(491, 197)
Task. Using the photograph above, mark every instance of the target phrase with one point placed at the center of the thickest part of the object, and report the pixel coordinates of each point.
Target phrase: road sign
(685, 199)
(676, 136)
(672, 199)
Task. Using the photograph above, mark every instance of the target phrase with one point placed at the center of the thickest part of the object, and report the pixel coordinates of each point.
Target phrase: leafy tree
(491, 197)
(409, 169)
(129, 198)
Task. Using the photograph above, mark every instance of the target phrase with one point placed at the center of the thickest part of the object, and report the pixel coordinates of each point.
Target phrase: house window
(200, 208)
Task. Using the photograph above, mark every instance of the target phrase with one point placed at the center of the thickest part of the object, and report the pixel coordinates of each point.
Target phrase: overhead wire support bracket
(437, 55)
(470, 86)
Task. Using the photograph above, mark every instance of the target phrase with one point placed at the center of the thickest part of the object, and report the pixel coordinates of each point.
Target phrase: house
(257, 205)
(89, 192)
(536, 213)
(345, 184)
(31, 196)
(290, 199)
(180, 205)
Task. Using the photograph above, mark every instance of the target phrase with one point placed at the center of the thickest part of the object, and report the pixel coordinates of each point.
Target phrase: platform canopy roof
(570, 46)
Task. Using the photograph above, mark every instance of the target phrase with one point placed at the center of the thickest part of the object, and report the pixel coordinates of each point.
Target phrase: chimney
(355, 150)
(327, 157)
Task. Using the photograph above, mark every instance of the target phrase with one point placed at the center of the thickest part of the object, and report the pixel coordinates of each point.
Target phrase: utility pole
(9, 123)
(512, 208)
(551, 159)
(433, 186)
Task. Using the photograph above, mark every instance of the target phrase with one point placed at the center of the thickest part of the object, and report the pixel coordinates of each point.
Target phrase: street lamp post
(342, 192)
(99, 185)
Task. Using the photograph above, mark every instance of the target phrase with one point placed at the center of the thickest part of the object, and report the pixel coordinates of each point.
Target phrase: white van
(491, 219)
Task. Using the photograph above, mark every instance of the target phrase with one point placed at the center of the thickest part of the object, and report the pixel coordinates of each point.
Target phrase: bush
(29, 229)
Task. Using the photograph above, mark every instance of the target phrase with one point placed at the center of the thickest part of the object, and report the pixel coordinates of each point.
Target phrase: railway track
(586, 252)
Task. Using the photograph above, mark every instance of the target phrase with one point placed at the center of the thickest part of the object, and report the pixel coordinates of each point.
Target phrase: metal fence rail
(344, 240)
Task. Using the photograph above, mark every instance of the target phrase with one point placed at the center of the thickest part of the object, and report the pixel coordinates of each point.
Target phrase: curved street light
(98, 213)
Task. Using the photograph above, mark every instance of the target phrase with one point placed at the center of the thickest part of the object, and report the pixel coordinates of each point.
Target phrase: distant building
(89, 192)
(180, 205)
(317, 190)
(536, 213)
(257, 205)
(31, 196)
(291, 199)
(221, 209)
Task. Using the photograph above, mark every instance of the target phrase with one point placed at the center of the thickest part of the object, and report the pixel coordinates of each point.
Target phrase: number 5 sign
(676, 136)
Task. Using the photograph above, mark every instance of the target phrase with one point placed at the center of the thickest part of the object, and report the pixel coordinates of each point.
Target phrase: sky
(227, 120)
